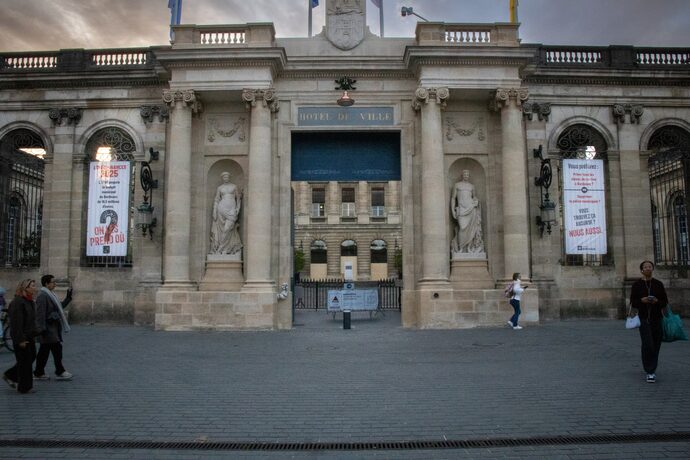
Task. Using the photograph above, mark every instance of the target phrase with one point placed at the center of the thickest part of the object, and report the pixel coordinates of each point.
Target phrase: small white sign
(353, 299)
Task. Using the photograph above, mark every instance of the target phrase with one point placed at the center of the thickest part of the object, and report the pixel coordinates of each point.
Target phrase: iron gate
(21, 198)
(312, 294)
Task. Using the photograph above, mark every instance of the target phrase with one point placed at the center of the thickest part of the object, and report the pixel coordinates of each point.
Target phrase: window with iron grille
(21, 198)
(318, 252)
(378, 202)
(379, 252)
(318, 202)
(583, 142)
(111, 144)
(348, 202)
(669, 179)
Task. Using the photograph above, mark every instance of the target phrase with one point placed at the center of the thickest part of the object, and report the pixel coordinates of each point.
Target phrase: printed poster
(584, 207)
(108, 211)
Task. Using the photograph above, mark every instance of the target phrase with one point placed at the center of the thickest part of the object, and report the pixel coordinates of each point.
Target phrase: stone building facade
(457, 97)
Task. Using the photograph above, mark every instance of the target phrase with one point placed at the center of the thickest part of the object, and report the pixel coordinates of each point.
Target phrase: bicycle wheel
(7, 338)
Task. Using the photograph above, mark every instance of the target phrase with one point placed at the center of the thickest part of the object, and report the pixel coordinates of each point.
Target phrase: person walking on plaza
(515, 301)
(23, 329)
(648, 296)
(51, 322)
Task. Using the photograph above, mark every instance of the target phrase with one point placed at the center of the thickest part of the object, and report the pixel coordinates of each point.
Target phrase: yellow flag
(513, 11)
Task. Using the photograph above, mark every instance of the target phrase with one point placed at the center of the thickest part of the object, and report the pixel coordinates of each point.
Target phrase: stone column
(58, 196)
(515, 212)
(435, 259)
(258, 199)
(179, 186)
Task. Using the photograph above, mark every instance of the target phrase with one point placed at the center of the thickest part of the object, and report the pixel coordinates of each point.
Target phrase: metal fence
(21, 199)
(313, 294)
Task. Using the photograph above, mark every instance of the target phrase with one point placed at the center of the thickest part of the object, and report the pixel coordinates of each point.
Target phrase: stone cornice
(333, 74)
(602, 81)
(75, 81)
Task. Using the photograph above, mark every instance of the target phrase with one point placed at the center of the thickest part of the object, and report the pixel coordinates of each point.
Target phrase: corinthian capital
(186, 97)
(267, 98)
(425, 95)
(505, 95)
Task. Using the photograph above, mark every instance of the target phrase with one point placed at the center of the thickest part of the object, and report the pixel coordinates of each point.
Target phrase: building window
(104, 146)
(583, 142)
(348, 202)
(318, 202)
(669, 168)
(21, 198)
(318, 252)
(379, 253)
(348, 248)
(378, 202)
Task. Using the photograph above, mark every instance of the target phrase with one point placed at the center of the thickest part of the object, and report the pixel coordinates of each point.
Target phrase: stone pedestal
(223, 273)
(469, 272)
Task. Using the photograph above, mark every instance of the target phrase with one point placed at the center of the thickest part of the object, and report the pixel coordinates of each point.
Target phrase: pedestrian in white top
(515, 301)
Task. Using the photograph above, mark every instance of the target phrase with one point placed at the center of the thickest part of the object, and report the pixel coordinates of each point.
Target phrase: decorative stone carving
(542, 110)
(238, 127)
(466, 211)
(187, 97)
(148, 112)
(72, 114)
(504, 95)
(265, 96)
(452, 129)
(225, 235)
(634, 111)
(345, 22)
(424, 95)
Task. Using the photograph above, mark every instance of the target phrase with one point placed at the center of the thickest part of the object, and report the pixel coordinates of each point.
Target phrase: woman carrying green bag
(648, 296)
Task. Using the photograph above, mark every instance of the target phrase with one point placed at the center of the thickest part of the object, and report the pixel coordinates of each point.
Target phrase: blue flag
(314, 3)
(175, 15)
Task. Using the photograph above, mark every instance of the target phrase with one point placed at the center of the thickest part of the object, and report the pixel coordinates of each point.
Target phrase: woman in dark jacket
(648, 296)
(22, 313)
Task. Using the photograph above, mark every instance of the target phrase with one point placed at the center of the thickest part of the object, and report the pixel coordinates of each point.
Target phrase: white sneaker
(651, 378)
(64, 376)
(510, 323)
(517, 328)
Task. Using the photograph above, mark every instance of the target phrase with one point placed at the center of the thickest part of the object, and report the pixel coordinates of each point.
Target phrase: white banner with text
(584, 207)
(108, 212)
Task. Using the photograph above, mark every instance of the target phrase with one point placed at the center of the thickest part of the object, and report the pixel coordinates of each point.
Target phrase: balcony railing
(242, 35)
(439, 33)
(615, 57)
(77, 60)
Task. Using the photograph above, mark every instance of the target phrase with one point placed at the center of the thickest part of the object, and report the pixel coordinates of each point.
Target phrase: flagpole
(309, 8)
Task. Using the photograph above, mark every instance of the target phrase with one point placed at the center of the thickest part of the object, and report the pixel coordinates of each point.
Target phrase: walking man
(51, 321)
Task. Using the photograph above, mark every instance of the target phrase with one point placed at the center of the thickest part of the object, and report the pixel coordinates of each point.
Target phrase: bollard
(346, 319)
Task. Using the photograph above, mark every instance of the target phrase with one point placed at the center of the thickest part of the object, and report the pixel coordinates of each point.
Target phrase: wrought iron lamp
(144, 219)
(547, 208)
(408, 11)
(345, 83)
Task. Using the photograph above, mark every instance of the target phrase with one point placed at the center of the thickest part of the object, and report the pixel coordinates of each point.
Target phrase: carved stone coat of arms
(345, 22)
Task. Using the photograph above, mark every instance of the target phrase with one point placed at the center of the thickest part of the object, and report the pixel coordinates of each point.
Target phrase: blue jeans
(516, 306)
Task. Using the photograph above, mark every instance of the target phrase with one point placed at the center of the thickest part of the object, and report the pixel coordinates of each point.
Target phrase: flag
(314, 3)
(379, 4)
(513, 11)
(175, 7)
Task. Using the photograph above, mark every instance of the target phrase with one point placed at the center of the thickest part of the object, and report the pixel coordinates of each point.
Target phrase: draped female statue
(225, 235)
(467, 213)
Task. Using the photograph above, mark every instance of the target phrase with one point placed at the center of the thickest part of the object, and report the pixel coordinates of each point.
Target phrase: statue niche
(227, 203)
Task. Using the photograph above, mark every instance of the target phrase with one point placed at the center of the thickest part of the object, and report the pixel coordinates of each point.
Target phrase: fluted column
(258, 200)
(179, 185)
(515, 212)
(435, 258)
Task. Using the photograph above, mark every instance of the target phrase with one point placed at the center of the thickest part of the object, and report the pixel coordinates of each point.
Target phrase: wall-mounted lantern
(144, 218)
(547, 208)
(345, 83)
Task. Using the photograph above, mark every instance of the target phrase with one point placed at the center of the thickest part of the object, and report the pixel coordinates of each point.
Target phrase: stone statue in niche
(467, 213)
(225, 235)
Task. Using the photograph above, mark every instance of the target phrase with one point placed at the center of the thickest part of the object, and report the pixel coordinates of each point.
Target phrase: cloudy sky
(53, 24)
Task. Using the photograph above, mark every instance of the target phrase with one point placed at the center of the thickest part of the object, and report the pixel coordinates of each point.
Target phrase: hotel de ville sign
(345, 22)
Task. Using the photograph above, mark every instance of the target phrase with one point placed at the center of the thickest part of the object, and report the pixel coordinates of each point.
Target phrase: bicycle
(6, 339)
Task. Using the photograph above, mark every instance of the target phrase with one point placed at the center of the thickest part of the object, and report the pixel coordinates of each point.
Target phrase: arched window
(21, 198)
(379, 253)
(110, 227)
(669, 167)
(348, 248)
(318, 252)
(583, 142)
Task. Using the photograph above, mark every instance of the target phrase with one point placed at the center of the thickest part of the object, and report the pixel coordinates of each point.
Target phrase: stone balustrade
(238, 35)
(439, 33)
(611, 56)
(77, 60)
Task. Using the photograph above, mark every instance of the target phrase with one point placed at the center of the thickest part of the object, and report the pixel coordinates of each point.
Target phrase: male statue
(467, 213)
